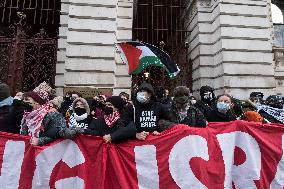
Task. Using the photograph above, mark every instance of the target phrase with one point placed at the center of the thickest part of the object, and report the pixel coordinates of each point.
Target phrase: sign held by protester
(247, 155)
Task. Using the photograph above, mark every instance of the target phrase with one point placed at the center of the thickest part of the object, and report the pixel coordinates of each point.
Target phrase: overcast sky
(277, 16)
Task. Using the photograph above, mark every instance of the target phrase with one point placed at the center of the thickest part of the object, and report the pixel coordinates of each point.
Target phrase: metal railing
(162, 23)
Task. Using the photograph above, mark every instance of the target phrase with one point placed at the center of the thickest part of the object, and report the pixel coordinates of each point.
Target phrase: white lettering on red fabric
(67, 151)
(278, 181)
(70, 183)
(146, 166)
(12, 162)
(242, 175)
(183, 151)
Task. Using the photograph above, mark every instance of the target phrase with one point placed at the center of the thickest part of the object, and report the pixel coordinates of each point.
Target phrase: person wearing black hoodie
(207, 96)
(115, 126)
(11, 111)
(148, 113)
(183, 112)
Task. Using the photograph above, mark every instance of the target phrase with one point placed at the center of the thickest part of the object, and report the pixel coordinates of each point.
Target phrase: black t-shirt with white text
(148, 115)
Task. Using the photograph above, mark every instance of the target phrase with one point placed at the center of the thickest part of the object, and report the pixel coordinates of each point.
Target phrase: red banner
(224, 155)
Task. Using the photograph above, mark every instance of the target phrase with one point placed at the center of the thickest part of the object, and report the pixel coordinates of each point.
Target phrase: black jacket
(194, 117)
(204, 107)
(216, 116)
(147, 116)
(120, 131)
(52, 123)
(11, 116)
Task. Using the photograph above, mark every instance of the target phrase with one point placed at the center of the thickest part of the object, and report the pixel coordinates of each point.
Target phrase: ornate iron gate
(27, 54)
(27, 61)
(162, 23)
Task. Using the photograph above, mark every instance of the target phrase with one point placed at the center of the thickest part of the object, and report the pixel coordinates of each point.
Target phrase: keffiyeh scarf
(33, 120)
(112, 118)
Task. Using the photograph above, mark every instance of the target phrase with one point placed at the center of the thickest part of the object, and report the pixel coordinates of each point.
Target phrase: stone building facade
(230, 45)
(86, 55)
(278, 50)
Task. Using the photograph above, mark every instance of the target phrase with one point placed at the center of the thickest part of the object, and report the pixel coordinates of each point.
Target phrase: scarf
(74, 119)
(34, 119)
(112, 118)
(274, 112)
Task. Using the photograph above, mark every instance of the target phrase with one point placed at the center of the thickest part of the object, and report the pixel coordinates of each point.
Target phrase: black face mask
(108, 110)
(80, 111)
(27, 107)
(67, 98)
(100, 105)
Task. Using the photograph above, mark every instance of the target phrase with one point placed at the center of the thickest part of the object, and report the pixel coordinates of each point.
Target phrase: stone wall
(88, 33)
(279, 69)
(231, 47)
(61, 54)
(124, 33)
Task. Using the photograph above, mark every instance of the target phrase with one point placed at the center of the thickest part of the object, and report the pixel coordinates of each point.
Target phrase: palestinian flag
(140, 55)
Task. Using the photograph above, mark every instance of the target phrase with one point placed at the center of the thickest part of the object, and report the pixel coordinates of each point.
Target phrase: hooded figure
(183, 112)
(162, 96)
(147, 112)
(81, 114)
(207, 96)
(113, 127)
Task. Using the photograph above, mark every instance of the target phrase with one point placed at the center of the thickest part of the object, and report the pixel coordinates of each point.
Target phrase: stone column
(90, 43)
(230, 46)
(88, 33)
(123, 33)
(61, 54)
(279, 69)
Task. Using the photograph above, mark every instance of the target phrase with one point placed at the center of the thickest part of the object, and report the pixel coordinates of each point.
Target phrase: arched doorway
(162, 23)
(277, 15)
(28, 42)
(278, 26)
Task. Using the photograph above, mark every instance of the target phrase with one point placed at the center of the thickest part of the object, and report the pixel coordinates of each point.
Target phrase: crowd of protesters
(46, 117)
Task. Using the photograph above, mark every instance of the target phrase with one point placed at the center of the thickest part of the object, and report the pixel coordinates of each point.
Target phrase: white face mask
(141, 97)
(222, 106)
(193, 102)
(208, 96)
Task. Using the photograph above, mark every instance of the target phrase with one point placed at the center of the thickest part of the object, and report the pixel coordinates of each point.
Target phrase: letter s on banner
(47, 160)
(278, 181)
(242, 175)
(183, 151)
(12, 162)
(146, 166)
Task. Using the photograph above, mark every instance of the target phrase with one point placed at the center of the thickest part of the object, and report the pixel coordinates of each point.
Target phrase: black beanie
(4, 91)
(117, 102)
